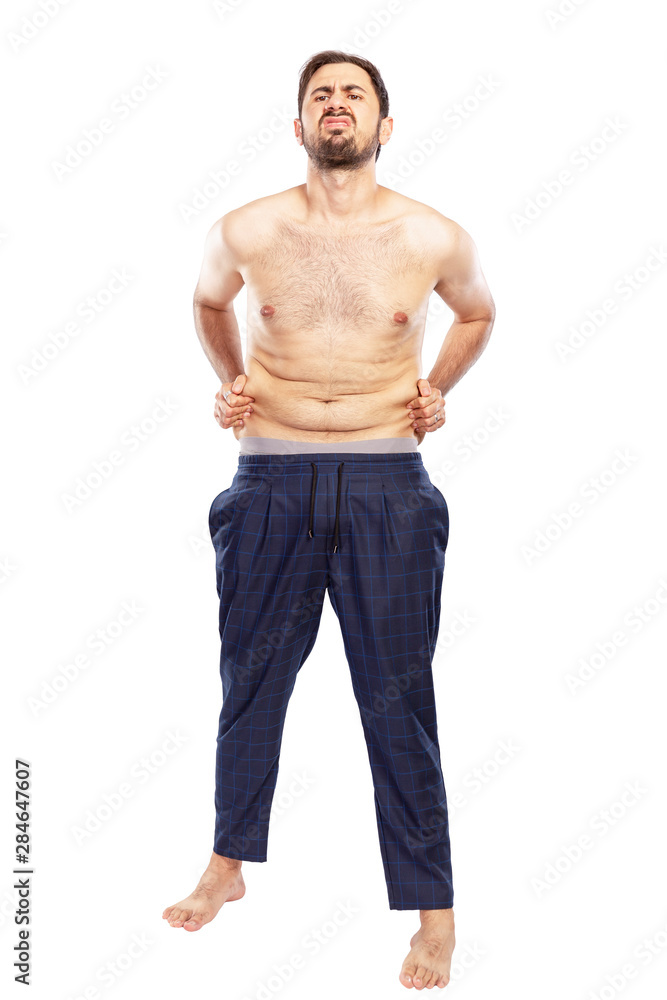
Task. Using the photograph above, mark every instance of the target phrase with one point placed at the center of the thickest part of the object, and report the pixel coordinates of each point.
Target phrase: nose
(336, 103)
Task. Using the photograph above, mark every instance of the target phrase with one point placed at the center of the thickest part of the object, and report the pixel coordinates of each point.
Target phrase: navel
(400, 317)
(267, 310)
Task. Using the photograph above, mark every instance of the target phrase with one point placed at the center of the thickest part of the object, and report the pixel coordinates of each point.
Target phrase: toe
(178, 916)
(406, 975)
(197, 920)
(419, 978)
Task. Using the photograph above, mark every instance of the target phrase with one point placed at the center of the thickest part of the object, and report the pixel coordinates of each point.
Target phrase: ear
(386, 129)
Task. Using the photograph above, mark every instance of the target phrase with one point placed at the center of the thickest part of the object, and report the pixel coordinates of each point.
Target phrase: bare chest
(364, 280)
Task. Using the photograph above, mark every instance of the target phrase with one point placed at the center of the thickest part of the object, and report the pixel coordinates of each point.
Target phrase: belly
(356, 401)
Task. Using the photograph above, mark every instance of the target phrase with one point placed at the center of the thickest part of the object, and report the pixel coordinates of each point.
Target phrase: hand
(230, 412)
(427, 411)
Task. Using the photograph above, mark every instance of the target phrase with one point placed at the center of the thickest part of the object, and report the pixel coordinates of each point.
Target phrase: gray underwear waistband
(279, 446)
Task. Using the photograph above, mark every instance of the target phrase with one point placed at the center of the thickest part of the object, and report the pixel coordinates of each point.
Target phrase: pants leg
(385, 589)
(271, 582)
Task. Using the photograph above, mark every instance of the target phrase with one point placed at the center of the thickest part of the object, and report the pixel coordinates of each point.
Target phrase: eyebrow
(329, 90)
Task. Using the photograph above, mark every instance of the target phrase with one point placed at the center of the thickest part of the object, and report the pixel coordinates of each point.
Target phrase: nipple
(267, 310)
(400, 317)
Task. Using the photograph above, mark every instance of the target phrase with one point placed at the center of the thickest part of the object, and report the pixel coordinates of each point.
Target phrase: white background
(541, 596)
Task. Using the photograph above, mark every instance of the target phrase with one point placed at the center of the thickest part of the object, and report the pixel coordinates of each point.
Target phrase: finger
(227, 418)
(234, 397)
(236, 410)
(232, 405)
(229, 421)
(428, 423)
(425, 411)
(419, 404)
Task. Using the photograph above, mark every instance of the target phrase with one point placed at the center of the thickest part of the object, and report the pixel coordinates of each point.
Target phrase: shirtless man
(330, 493)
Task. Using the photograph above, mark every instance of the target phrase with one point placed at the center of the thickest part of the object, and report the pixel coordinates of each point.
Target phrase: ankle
(431, 918)
(220, 863)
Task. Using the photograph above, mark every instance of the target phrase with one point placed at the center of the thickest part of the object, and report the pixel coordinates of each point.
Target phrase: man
(331, 493)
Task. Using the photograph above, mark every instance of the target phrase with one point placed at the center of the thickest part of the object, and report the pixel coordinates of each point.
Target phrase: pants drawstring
(311, 533)
(312, 499)
(340, 470)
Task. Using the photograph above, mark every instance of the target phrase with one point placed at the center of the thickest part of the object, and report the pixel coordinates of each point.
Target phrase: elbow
(199, 303)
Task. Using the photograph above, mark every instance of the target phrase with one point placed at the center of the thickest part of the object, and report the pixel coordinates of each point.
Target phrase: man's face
(340, 124)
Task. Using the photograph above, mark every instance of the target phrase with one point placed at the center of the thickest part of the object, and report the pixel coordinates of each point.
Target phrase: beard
(346, 153)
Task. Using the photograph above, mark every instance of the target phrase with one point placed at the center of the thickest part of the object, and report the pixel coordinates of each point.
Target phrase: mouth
(336, 122)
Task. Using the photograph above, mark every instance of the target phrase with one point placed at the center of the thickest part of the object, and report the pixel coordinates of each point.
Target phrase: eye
(320, 97)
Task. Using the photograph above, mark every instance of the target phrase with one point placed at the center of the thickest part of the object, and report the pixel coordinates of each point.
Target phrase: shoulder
(432, 230)
(242, 228)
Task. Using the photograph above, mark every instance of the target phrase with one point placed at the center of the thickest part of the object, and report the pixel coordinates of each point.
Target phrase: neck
(342, 195)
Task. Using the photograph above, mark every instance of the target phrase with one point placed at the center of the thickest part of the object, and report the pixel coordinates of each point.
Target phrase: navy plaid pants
(371, 529)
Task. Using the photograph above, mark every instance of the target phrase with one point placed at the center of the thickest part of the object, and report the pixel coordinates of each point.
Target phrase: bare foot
(430, 957)
(222, 882)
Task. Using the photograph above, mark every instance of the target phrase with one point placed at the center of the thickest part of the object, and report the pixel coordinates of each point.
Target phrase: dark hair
(336, 56)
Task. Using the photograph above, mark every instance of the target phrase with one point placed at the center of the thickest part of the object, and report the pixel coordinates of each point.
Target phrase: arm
(215, 322)
(219, 284)
(463, 287)
(461, 284)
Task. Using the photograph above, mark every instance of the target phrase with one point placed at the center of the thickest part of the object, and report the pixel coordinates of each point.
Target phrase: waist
(364, 402)
(295, 463)
(280, 446)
